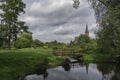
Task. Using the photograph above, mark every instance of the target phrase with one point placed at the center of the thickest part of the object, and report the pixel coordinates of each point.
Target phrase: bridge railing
(65, 53)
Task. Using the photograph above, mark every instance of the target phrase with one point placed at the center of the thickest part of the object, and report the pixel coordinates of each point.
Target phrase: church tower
(86, 30)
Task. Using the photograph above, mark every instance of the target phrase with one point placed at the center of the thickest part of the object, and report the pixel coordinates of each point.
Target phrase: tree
(76, 4)
(37, 43)
(52, 44)
(24, 40)
(1, 36)
(11, 9)
(81, 43)
(108, 16)
(82, 39)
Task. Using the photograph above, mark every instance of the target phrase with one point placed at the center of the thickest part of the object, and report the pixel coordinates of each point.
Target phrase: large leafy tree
(10, 11)
(108, 16)
(82, 42)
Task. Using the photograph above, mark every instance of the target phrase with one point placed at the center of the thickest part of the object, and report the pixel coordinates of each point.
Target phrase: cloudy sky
(57, 19)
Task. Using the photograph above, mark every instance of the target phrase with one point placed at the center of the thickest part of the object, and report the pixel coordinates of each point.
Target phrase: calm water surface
(91, 71)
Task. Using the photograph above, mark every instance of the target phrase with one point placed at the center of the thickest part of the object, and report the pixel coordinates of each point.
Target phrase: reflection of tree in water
(66, 67)
(41, 68)
(116, 76)
(105, 68)
(109, 71)
(45, 75)
(66, 64)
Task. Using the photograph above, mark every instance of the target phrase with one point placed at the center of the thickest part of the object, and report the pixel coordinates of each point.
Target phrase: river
(79, 71)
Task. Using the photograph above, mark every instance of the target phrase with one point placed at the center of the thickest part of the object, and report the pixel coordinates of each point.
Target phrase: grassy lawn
(14, 63)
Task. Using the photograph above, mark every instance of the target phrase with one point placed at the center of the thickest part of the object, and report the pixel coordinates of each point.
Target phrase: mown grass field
(15, 63)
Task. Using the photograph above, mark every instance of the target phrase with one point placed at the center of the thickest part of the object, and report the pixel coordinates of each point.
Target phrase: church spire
(86, 30)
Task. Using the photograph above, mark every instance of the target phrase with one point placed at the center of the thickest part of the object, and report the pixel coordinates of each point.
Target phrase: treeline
(82, 43)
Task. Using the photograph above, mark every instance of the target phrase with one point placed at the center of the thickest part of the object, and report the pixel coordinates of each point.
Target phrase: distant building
(86, 30)
(86, 33)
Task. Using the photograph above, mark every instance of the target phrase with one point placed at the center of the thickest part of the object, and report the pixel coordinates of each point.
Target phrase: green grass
(97, 57)
(15, 63)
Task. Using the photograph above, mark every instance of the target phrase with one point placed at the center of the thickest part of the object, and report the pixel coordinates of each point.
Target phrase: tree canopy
(108, 16)
(9, 23)
(24, 40)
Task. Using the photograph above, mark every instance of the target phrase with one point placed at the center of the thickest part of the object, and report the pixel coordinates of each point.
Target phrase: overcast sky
(57, 19)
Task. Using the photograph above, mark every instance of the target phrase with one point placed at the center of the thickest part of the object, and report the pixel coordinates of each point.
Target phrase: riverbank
(14, 63)
(17, 63)
(97, 57)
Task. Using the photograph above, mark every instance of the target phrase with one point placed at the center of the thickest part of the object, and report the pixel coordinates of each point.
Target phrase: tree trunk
(9, 42)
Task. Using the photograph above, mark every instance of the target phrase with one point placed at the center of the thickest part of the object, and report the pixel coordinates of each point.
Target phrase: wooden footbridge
(66, 53)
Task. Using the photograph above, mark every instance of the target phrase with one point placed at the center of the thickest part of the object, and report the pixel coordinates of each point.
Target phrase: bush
(45, 47)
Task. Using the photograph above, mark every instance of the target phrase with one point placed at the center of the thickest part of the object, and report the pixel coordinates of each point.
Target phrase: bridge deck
(66, 53)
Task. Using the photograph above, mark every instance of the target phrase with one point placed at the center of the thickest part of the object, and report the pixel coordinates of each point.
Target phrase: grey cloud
(61, 15)
(64, 33)
(44, 17)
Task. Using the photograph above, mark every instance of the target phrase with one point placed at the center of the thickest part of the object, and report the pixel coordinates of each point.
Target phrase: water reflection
(109, 71)
(66, 64)
(40, 71)
(116, 76)
(80, 71)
